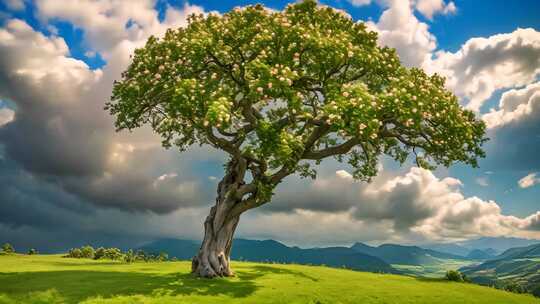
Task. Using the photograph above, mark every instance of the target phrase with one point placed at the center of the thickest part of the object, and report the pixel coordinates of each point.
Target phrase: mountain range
(359, 256)
(490, 245)
(273, 251)
(520, 265)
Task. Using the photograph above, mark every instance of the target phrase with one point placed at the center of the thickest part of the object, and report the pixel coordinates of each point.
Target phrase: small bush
(8, 248)
(163, 256)
(32, 251)
(75, 253)
(113, 254)
(129, 257)
(514, 287)
(87, 252)
(454, 275)
(536, 291)
(99, 254)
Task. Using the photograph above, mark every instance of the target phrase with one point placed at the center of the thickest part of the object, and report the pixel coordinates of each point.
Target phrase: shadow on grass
(77, 285)
(277, 270)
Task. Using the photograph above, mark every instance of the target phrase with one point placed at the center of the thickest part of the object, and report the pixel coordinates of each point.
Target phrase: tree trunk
(213, 258)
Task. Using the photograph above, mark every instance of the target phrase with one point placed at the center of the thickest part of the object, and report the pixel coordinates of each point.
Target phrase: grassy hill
(53, 279)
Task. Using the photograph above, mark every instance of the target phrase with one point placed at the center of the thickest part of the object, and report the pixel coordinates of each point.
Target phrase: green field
(53, 279)
(432, 270)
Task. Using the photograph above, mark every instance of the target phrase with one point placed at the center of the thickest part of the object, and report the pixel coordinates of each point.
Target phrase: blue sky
(505, 60)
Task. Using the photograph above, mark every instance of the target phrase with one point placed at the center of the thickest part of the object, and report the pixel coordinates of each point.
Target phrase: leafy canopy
(284, 90)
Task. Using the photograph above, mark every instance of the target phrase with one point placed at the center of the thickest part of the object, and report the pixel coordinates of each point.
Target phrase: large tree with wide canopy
(279, 92)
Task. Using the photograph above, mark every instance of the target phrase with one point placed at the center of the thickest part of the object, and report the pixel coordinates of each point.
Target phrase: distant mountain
(404, 255)
(519, 265)
(273, 251)
(499, 244)
(479, 254)
(531, 251)
(450, 248)
(490, 245)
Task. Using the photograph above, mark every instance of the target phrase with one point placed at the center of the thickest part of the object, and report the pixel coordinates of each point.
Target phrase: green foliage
(113, 254)
(32, 251)
(163, 256)
(129, 257)
(87, 252)
(87, 281)
(286, 90)
(99, 253)
(7, 248)
(454, 275)
(514, 287)
(536, 291)
(74, 253)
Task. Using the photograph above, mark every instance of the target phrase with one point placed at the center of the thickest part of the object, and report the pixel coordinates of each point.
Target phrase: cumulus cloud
(400, 29)
(416, 205)
(59, 112)
(515, 105)
(484, 65)
(107, 23)
(529, 180)
(429, 8)
(513, 130)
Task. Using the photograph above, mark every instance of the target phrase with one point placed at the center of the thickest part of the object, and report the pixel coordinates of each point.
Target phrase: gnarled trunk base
(213, 258)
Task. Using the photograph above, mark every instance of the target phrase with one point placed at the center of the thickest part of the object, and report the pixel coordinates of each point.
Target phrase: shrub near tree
(279, 92)
(113, 254)
(7, 248)
(536, 291)
(100, 253)
(454, 275)
(87, 252)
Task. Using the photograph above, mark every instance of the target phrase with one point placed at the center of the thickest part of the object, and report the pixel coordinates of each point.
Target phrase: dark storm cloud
(61, 133)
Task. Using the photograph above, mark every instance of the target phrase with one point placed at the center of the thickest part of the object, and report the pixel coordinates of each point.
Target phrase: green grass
(53, 279)
(433, 271)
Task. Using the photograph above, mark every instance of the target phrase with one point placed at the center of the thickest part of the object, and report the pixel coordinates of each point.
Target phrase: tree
(8, 248)
(99, 253)
(279, 92)
(113, 254)
(75, 253)
(32, 251)
(454, 275)
(87, 252)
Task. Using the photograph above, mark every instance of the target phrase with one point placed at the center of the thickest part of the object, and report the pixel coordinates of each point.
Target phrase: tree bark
(213, 258)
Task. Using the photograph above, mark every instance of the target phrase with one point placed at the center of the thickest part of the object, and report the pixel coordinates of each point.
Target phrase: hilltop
(53, 279)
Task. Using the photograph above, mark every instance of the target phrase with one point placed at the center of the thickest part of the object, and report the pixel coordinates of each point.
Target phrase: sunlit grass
(53, 279)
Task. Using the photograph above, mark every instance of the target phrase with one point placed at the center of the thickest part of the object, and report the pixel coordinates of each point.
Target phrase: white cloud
(482, 181)
(107, 23)
(515, 104)
(6, 115)
(412, 206)
(529, 180)
(400, 29)
(429, 8)
(513, 129)
(484, 65)
(360, 2)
